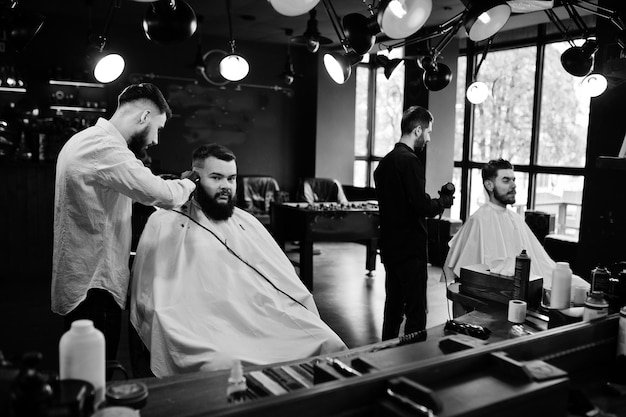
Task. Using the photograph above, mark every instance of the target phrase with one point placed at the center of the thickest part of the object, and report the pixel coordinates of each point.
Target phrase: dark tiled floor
(351, 305)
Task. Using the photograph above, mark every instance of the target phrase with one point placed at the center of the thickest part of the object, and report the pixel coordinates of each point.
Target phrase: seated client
(495, 235)
(211, 285)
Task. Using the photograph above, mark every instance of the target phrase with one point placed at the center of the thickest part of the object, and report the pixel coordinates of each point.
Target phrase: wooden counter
(497, 378)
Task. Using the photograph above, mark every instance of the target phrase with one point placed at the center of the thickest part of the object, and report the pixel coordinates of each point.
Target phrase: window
(537, 118)
(379, 105)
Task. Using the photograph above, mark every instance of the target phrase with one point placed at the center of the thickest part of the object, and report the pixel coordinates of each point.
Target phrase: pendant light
(169, 22)
(108, 65)
(293, 7)
(399, 19)
(233, 66)
(477, 92)
(594, 84)
(485, 18)
(311, 38)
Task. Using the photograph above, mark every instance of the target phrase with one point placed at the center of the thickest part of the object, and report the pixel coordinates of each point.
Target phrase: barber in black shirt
(404, 205)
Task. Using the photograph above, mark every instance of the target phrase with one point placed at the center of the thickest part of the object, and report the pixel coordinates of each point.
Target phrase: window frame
(532, 168)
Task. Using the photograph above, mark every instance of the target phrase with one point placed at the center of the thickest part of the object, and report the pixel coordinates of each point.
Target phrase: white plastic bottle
(236, 390)
(82, 356)
(561, 286)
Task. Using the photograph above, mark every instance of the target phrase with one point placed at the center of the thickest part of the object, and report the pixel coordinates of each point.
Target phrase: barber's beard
(137, 143)
(214, 209)
(504, 198)
(419, 144)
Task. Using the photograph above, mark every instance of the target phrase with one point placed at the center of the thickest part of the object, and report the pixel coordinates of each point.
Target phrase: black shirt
(404, 205)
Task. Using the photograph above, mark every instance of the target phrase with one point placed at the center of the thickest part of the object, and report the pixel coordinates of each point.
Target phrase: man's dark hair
(415, 116)
(490, 169)
(214, 150)
(145, 91)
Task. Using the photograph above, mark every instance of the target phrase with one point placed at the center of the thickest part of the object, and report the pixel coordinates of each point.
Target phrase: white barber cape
(197, 306)
(494, 236)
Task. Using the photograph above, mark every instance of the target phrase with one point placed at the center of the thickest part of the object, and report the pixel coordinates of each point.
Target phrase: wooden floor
(348, 302)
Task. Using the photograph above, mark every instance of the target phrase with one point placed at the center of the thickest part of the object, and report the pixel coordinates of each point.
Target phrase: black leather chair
(315, 190)
(255, 194)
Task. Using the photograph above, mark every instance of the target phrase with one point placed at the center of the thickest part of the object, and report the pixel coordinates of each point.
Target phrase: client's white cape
(494, 236)
(198, 302)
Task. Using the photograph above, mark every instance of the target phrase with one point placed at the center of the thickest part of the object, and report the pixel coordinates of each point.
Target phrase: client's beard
(213, 208)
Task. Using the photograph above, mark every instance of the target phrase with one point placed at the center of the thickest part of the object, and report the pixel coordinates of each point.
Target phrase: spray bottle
(237, 386)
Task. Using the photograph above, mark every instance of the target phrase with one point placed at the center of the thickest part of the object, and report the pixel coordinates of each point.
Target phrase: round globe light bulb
(109, 68)
(293, 7)
(234, 67)
(477, 92)
(594, 84)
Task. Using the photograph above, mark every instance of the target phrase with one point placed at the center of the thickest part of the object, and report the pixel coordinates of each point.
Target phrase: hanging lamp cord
(484, 55)
(230, 27)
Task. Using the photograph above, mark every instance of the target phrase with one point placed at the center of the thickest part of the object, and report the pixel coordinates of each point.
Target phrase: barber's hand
(192, 175)
(446, 195)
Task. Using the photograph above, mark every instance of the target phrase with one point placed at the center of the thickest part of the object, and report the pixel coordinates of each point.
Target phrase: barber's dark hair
(145, 91)
(490, 169)
(415, 116)
(214, 150)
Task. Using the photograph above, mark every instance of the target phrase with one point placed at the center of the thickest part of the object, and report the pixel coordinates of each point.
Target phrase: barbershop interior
(310, 105)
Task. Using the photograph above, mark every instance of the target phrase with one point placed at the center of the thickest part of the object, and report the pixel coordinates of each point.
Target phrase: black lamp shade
(578, 60)
(339, 67)
(484, 18)
(388, 65)
(312, 38)
(357, 30)
(436, 76)
(169, 21)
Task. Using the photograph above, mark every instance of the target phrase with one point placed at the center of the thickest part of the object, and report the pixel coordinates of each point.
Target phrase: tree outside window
(549, 159)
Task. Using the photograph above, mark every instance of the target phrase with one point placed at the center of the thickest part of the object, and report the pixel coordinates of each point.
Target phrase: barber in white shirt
(97, 179)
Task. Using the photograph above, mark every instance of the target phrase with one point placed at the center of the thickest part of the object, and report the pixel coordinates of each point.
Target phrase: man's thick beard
(137, 144)
(503, 198)
(212, 208)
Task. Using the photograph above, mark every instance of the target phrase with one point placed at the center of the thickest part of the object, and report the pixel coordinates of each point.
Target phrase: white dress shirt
(97, 179)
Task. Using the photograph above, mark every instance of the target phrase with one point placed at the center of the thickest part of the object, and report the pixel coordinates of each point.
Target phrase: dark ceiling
(253, 20)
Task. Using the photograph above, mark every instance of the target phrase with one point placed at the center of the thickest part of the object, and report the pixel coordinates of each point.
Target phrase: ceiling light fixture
(579, 60)
(338, 65)
(477, 92)
(108, 65)
(293, 7)
(485, 18)
(399, 19)
(289, 74)
(360, 32)
(436, 75)
(168, 22)
(594, 84)
(233, 66)
(311, 38)
(388, 65)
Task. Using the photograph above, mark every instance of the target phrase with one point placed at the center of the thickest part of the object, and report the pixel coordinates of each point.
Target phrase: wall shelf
(79, 109)
(12, 89)
(76, 84)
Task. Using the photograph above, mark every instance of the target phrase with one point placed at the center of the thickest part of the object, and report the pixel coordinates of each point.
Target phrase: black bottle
(522, 275)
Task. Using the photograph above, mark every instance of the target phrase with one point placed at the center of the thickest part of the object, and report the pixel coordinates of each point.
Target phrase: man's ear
(489, 185)
(418, 130)
(144, 116)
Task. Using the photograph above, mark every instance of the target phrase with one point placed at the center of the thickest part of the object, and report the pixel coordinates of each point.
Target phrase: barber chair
(315, 190)
(255, 193)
